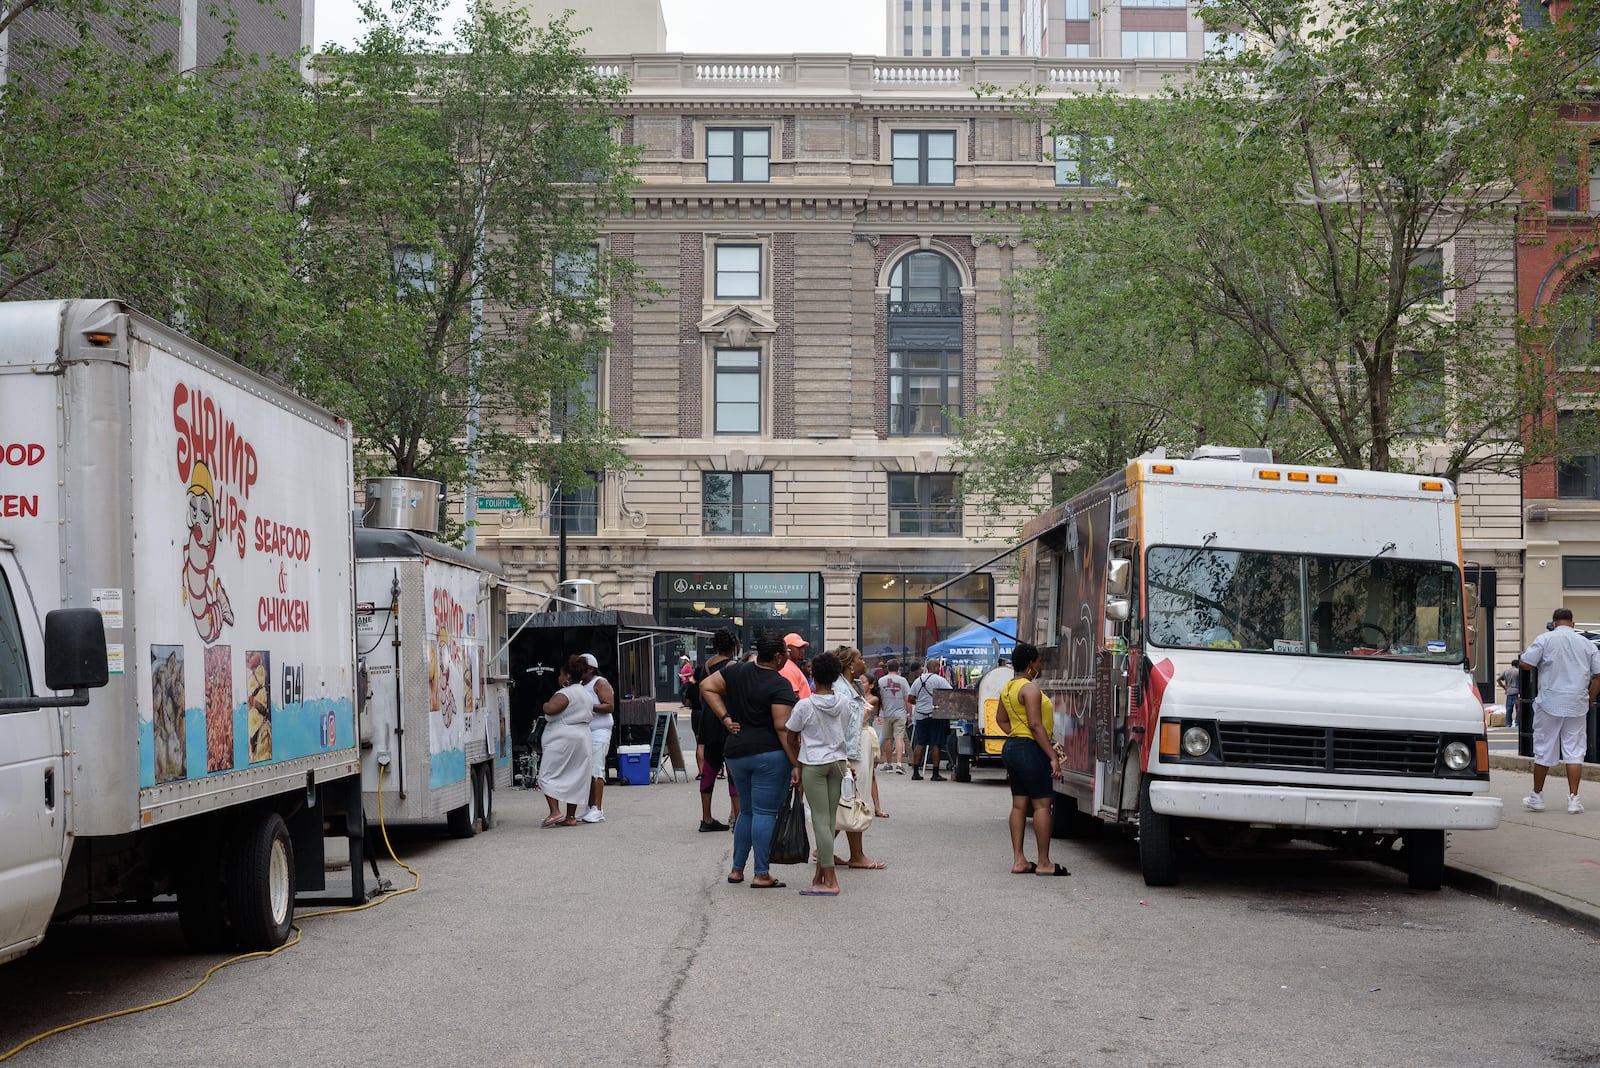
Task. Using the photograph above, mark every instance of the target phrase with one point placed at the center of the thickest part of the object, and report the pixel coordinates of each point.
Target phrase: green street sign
(498, 504)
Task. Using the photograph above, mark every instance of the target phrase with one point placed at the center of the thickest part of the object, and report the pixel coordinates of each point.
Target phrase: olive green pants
(822, 784)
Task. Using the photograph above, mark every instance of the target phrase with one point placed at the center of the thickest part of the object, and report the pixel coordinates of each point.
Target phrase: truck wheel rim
(278, 882)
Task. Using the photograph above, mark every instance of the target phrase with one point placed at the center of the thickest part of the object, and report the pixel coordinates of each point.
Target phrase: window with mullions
(893, 619)
(924, 391)
(1425, 279)
(926, 342)
(577, 506)
(924, 505)
(738, 272)
(1573, 315)
(572, 405)
(736, 391)
(573, 271)
(738, 155)
(1154, 44)
(1579, 446)
(736, 502)
(1082, 160)
(924, 157)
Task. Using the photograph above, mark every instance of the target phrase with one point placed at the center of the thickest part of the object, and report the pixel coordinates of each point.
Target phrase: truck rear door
(32, 805)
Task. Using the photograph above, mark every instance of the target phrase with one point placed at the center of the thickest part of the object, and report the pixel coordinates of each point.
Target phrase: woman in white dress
(565, 764)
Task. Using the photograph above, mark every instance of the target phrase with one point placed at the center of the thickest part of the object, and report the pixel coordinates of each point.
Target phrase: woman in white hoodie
(821, 720)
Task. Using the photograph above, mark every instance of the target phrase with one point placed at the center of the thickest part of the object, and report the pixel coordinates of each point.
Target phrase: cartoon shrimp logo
(202, 586)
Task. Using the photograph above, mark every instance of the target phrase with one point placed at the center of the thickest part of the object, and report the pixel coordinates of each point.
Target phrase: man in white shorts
(605, 704)
(1569, 680)
(892, 688)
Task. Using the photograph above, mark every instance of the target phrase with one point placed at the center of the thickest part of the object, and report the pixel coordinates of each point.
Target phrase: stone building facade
(832, 238)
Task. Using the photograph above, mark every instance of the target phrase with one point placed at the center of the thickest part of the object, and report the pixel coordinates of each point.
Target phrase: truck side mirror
(1118, 609)
(75, 649)
(1119, 576)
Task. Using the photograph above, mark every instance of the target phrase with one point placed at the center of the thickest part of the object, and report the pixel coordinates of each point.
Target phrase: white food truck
(431, 636)
(1242, 652)
(181, 529)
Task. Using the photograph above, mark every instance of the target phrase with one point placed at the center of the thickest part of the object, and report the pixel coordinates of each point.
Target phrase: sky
(741, 26)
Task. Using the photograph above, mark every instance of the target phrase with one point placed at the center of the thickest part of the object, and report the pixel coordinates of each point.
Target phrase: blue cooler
(633, 764)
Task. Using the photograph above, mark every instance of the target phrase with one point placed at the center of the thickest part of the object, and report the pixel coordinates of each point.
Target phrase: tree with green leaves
(454, 194)
(122, 176)
(1280, 254)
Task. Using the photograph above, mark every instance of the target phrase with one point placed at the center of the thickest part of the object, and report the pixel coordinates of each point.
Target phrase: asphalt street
(622, 943)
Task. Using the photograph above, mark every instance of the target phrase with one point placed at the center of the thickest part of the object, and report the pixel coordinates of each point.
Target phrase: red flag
(933, 623)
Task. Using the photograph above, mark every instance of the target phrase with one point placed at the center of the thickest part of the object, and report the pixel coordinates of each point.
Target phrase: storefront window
(748, 602)
(894, 617)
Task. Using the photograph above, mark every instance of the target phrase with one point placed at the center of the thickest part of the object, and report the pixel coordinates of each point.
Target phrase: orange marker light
(1169, 739)
(1483, 756)
(1437, 487)
(1161, 469)
(1299, 476)
(1327, 480)
(1270, 476)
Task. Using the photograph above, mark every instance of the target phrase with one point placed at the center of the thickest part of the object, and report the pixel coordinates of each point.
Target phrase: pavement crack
(691, 936)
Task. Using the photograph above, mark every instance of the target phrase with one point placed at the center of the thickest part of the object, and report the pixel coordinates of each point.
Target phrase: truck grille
(1332, 749)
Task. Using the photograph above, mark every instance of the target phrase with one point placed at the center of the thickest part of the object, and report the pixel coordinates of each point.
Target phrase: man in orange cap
(795, 646)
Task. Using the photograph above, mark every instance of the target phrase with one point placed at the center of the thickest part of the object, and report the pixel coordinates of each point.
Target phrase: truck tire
(1158, 843)
(486, 795)
(202, 906)
(1067, 821)
(963, 770)
(1424, 859)
(463, 821)
(261, 882)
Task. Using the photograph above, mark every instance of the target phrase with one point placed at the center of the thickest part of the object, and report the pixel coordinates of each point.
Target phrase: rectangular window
(1564, 197)
(736, 502)
(924, 505)
(736, 393)
(573, 272)
(1425, 280)
(581, 400)
(1076, 9)
(1154, 44)
(738, 272)
(1223, 45)
(1075, 51)
(1594, 176)
(738, 155)
(924, 157)
(578, 507)
(1580, 572)
(1426, 402)
(1082, 160)
(906, 45)
(924, 392)
(927, 37)
(1154, 3)
(1534, 16)
(1578, 444)
(413, 270)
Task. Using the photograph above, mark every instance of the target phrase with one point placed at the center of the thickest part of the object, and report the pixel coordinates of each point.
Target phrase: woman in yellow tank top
(1027, 718)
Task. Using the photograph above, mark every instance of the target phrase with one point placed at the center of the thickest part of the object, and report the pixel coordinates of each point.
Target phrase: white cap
(588, 658)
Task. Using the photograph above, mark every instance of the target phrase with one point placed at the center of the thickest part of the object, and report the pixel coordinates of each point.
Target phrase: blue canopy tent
(976, 645)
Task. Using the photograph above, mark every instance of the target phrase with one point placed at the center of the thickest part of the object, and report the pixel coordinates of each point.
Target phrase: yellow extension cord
(214, 969)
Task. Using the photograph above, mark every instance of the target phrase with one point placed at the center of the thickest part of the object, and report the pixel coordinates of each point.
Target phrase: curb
(1509, 891)
(1512, 762)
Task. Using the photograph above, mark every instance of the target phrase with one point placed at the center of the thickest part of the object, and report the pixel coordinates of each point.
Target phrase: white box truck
(203, 514)
(431, 636)
(1242, 652)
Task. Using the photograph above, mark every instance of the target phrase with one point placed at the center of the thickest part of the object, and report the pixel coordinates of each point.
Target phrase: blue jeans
(763, 782)
(1511, 709)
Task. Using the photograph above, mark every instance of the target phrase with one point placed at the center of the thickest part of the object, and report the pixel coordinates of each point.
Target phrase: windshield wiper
(1363, 565)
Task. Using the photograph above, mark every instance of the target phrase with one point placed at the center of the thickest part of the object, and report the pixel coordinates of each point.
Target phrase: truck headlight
(1197, 741)
(1458, 756)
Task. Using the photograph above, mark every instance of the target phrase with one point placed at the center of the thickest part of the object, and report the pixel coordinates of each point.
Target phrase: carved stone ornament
(738, 325)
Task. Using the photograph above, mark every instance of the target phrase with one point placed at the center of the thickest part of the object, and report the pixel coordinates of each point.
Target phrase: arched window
(925, 344)
(1574, 317)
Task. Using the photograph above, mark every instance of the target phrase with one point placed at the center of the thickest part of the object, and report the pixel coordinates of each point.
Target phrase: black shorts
(930, 732)
(1027, 768)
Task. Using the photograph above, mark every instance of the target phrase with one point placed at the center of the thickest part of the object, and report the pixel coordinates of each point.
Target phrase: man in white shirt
(892, 688)
(927, 732)
(1569, 681)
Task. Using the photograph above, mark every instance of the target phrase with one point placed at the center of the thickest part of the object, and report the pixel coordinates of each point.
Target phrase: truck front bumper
(1296, 806)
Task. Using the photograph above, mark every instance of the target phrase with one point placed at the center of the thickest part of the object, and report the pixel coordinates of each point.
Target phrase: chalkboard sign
(664, 746)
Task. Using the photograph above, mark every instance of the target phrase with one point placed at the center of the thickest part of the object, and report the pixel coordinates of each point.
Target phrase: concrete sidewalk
(1547, 862)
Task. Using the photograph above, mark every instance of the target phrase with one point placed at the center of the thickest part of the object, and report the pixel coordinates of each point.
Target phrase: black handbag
(790, 842)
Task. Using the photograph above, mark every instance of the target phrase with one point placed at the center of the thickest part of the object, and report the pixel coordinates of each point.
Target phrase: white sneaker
(1574, 806)
(1533, 803)
(594, 815)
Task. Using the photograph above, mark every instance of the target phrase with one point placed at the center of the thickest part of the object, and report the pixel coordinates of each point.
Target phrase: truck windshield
(1290, 603)
(13, 658)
